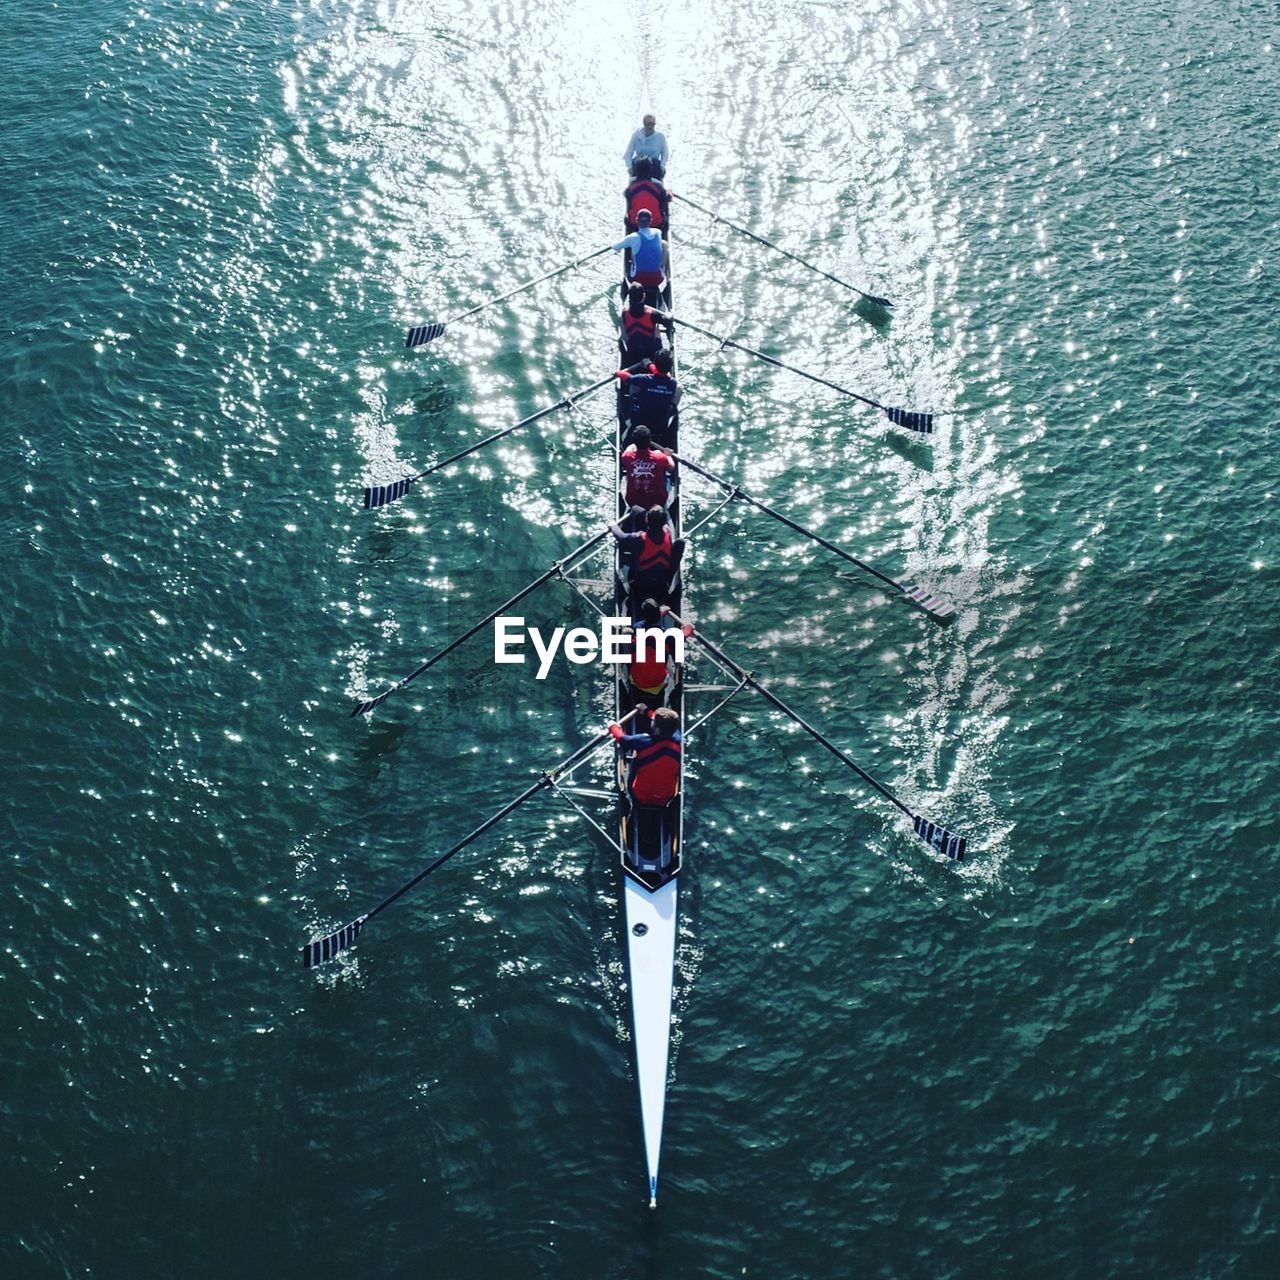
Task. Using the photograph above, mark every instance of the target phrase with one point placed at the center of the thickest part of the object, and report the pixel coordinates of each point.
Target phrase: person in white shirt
(647, 141)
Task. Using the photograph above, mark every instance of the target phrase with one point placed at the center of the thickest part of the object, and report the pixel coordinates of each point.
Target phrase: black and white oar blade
(373, 704)
(913, 421)
(323, 949)
(940, 838)
(378, 495)
(939, 608)
(423, 333)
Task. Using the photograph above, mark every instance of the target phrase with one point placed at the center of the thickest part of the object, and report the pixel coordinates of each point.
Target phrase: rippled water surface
(1055, 1060)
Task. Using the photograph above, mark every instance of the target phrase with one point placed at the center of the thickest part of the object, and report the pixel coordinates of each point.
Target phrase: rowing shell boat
(650, 838)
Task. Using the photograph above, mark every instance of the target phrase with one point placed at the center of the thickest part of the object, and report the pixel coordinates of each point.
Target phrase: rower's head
(663, 359)
(635, 299)
(642, 437)
(655, 520)
(649, 123)
(664, 723)
(644, 219)
(643, 167)
(650, 613)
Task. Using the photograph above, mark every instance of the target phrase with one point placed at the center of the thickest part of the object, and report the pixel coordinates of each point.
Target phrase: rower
(646, 192)
(654, 776)
(639, 338)
(646, 469)
(647, 141)
(656, 555)
(648, 252)
(653, 398)
(650, 668)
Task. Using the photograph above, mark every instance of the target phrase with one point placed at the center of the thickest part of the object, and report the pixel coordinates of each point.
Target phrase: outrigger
(649, 839)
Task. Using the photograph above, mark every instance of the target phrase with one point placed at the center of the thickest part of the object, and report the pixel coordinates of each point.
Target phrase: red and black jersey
(645, 193)
(653, 560)
(648, 672)
(639, 329)
(639, 336)
(655, 770)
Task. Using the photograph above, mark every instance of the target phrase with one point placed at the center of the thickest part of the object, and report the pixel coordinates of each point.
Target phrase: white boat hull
(651, 960)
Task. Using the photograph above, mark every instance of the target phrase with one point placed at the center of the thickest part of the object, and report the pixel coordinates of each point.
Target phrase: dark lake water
(1056, 1060)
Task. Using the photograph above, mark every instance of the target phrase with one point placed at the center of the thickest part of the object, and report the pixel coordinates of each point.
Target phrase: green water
(1056, 1060)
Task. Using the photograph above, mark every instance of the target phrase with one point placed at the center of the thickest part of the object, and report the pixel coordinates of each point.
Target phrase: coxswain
(649, 662)
(648, 252)
(654, 775)
(653, 397)
(647, 141)
(639, 338)
(646, 469)
(655, 556)
(646, 192)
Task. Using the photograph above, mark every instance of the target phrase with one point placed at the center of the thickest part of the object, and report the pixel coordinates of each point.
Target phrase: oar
(365, 707)
(786, 253)
(378, 495)
(909, 418)
(421, 334)
(938, 608)
(937, 837)
(322, 949)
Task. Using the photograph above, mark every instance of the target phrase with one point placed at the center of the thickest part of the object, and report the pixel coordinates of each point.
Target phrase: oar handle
(748, 678)
(786, 253)
(738, 492)
(550, 275)
(321, 949)
(760, 355)
(568, 402)
(497, 435)
(558, 567)
(457, 848)
(547, 779)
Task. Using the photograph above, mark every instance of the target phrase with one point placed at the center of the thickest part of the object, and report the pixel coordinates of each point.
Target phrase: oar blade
(421, 334)
(939, 608)
(912, 420)
(939, 838)
(373, 704)
(875, 301)
(378, 495)
(322, 949)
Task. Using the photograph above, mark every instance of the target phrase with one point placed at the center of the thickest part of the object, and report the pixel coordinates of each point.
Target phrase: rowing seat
(663, 426)
(632, 597)
(653, 836)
